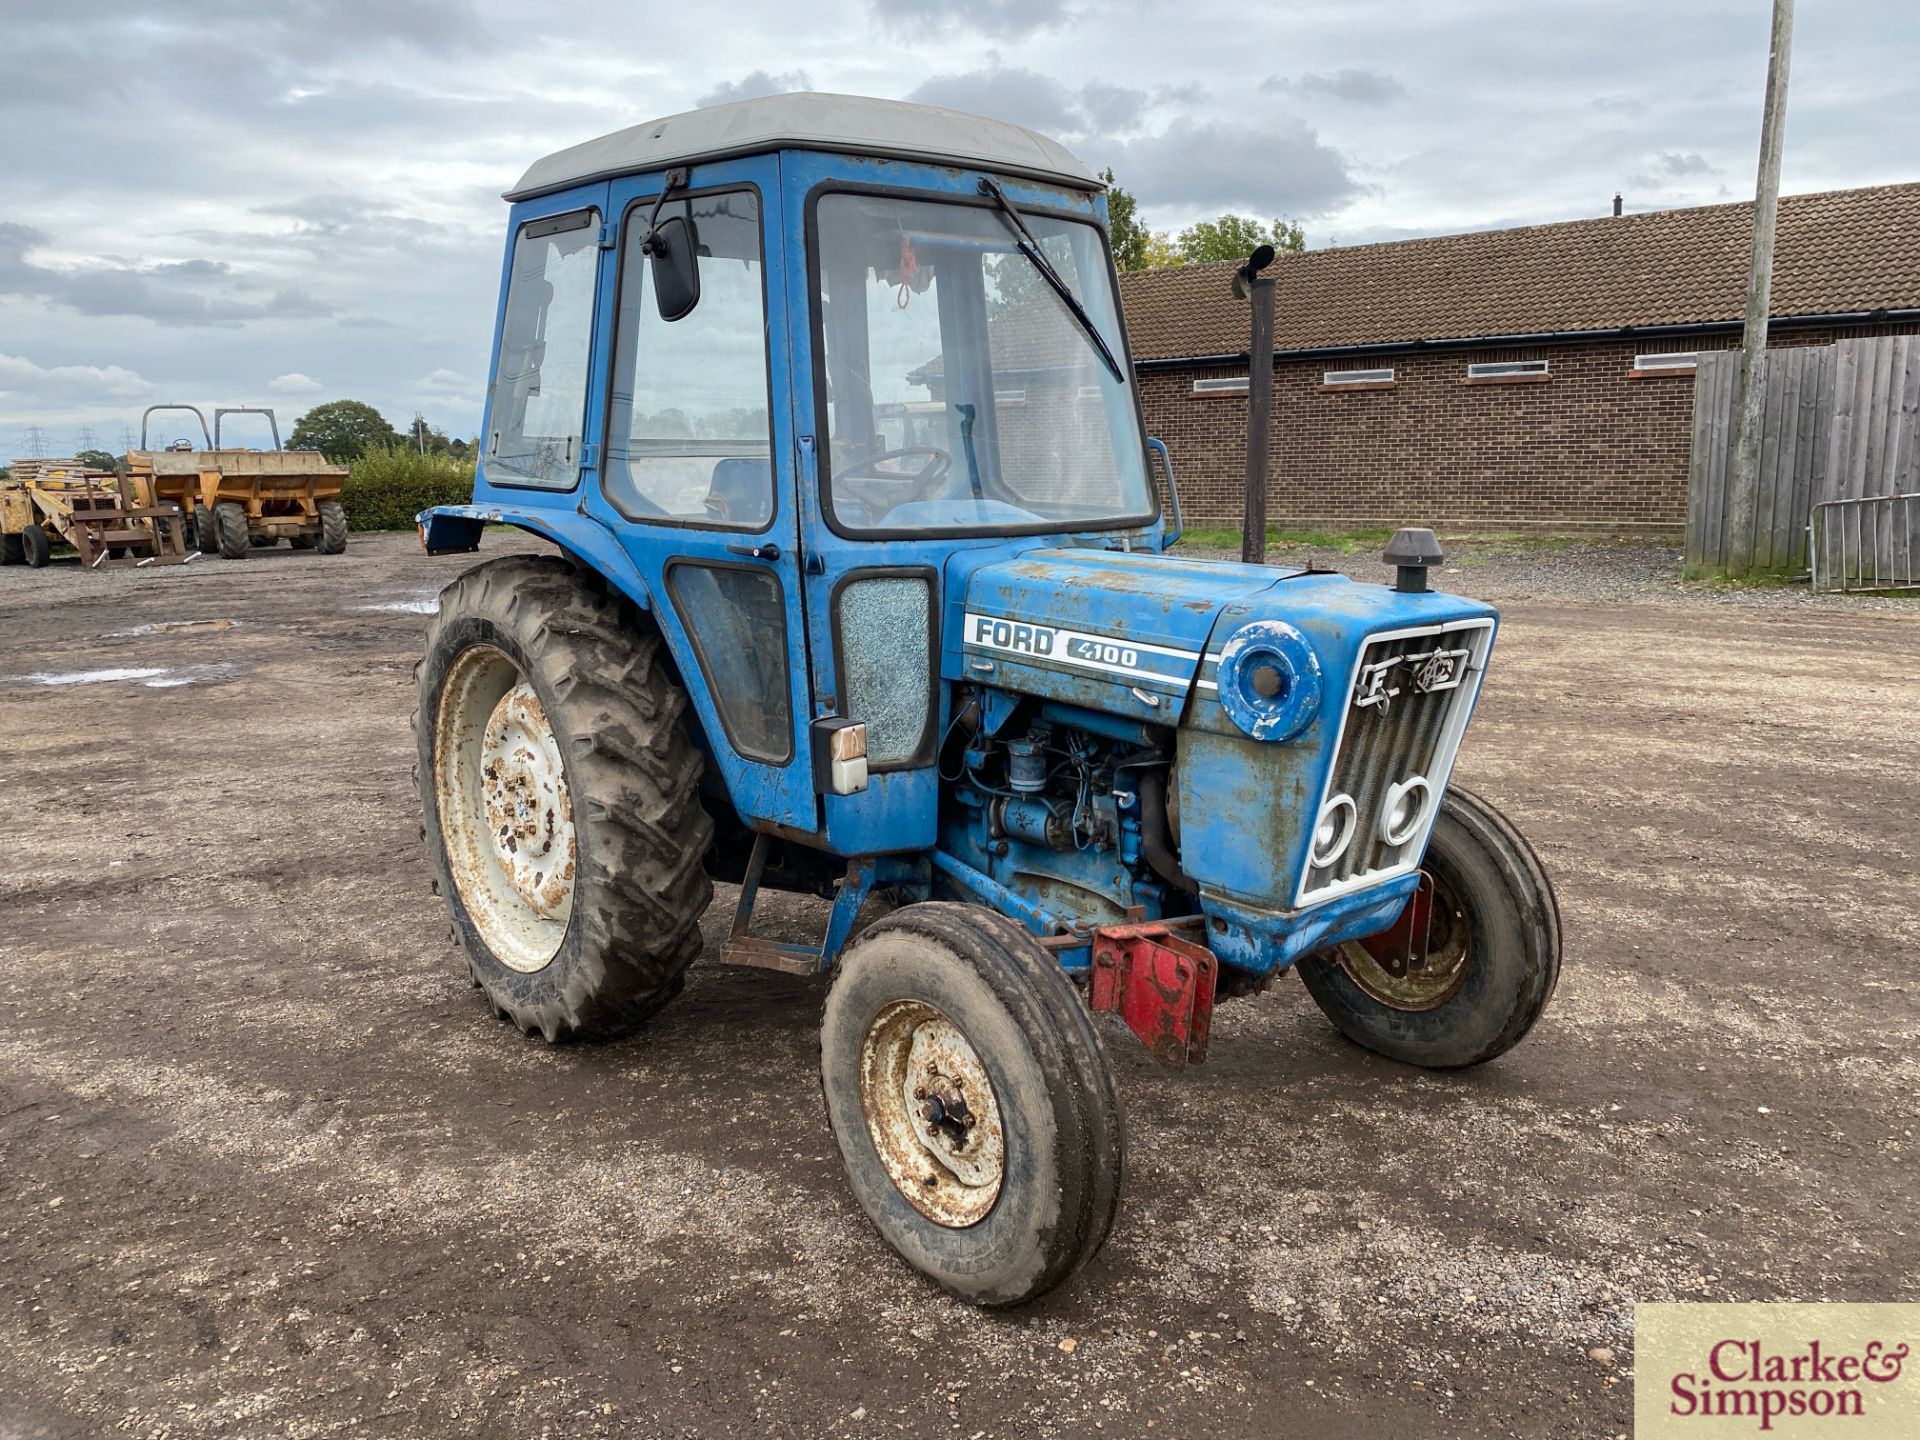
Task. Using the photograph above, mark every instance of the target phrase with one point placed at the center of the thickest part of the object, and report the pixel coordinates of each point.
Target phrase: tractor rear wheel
(972, 1102)
(333, 527)
(230, 522)
(13, 550)
(302, 542)
(35, 546)
(1491, 959)
(206, 531)
(263, 542)
(559, 788)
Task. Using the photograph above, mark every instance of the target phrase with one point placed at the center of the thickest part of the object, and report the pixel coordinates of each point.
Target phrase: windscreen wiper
(1030, 247)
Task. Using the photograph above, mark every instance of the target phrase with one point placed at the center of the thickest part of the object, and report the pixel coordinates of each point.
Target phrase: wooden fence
(1838, 422)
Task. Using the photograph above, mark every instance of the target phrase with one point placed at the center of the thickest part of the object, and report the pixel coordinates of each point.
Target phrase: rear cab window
(536, 415)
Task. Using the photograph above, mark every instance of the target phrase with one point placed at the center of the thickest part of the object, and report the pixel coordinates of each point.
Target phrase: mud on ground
(268, 1166)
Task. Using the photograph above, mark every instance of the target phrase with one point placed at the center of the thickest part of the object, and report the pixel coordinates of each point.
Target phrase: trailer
(107, 517)
(237, 499)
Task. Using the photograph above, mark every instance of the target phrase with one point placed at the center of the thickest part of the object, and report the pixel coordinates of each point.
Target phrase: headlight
(1404, 807)
(1333, 831)
(1269, 680)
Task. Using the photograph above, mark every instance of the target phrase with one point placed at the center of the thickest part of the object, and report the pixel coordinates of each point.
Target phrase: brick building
(1538, 377)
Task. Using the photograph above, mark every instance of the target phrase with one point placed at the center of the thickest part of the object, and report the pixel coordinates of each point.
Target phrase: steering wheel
(879, 491)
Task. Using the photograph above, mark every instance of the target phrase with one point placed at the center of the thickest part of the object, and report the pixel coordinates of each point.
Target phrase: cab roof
(843, 124)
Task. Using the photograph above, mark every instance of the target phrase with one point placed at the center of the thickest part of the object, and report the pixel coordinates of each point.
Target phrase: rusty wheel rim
(1429, 985)
(931, 1113)
(506, 812)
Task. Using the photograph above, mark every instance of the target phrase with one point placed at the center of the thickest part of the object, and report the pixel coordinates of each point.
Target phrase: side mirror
(673, 255)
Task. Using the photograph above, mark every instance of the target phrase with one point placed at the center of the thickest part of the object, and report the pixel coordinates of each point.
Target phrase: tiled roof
(1838, 251)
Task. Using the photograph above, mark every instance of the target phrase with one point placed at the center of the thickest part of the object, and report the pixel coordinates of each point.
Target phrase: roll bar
(273, 423)
(193, 410)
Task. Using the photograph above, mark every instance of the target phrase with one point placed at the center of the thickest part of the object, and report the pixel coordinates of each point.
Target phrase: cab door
(698, 475)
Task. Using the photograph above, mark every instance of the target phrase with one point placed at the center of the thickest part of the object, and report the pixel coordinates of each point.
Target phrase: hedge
(385, 489)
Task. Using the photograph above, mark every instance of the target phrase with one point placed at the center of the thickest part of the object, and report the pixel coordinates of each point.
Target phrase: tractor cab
(774, 366)
(864, 589)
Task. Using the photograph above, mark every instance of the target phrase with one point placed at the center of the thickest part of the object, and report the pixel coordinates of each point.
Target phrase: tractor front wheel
(230, 523)
(1488, 964)
(971, 1101)
(206, 531)
(560, 790)
(13, 550)
(36, 547)
(333, 527)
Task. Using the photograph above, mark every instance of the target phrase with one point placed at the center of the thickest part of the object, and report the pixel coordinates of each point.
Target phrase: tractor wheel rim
(931, 1113)
(1449, 958)
(505, 809)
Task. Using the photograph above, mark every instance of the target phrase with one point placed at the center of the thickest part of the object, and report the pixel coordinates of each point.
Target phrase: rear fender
(455, 529)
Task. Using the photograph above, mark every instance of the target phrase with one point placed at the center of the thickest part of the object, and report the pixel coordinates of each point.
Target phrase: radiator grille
(1406, 710)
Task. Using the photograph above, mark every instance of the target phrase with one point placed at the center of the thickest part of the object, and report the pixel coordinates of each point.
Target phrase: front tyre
(1493, 953)
(558, 786)
(972, 1103)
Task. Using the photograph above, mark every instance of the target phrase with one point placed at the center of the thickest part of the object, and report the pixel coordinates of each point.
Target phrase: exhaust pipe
(1251, 285)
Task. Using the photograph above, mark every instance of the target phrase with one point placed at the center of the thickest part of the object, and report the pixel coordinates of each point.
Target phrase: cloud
(1351, 85)
(1039, 102)
(294, 383)
(70, 383)
(1674, 163)
(1002, 19)
(753, 86)
(447, 385)
(1282, 168)
(167, 293)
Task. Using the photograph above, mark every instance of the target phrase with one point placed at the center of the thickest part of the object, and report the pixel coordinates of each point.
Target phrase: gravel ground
(268, 1166)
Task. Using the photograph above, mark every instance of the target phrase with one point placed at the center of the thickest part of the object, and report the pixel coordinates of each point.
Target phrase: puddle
(171, 627)
(408, 607)
(152, 677)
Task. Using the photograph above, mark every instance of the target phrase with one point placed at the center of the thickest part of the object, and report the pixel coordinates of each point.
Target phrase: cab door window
(689, 438)
(537, 413)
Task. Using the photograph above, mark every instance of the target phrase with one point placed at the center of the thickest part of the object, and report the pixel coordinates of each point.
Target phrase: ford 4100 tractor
(863, 589)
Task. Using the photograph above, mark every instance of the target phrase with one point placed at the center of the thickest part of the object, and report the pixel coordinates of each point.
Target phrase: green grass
(387, 488)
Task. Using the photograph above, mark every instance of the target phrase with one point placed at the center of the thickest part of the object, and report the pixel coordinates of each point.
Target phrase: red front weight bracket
(1161, 985)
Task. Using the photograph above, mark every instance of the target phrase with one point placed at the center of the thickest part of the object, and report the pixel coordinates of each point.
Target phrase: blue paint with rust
(1098, 629)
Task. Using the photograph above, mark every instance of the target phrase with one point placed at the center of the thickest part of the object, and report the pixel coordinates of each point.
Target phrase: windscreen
(962, 393)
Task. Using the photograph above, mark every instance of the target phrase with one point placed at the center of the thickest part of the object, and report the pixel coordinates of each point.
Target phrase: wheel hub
(523, 785)
(932, 1114)
(1424, 974)
(505, 810)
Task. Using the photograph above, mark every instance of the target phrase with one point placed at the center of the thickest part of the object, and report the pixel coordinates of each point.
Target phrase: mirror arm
(676, 180)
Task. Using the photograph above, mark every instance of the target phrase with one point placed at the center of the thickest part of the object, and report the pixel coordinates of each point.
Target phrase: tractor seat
(741, 492)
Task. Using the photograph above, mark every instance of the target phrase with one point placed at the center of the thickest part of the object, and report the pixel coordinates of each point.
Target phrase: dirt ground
(268, 1166)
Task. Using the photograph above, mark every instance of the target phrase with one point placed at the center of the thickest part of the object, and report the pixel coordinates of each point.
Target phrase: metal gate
(1866, 544)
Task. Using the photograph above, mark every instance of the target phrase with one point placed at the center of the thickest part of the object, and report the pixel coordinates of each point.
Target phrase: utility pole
(36, 443)
(1251, 285)
(1742, 502)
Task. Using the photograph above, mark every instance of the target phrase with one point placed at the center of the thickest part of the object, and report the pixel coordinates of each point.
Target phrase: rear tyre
(230, 522)
(263, 542)
(972, 1102)
(13, 550)
(302, 542)
(206, 531)
(559, 789)
(35, 546)
(1494, 952)
(333, 527)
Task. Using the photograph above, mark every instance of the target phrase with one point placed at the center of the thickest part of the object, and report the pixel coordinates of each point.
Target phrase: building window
(1377, 379)
(1506, 373)
(1684, 362)
(1230, 385)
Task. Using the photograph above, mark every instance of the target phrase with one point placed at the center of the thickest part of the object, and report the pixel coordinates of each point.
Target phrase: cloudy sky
(289, 201)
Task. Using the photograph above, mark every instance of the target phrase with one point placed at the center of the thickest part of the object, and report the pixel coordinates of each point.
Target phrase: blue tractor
(863, 589)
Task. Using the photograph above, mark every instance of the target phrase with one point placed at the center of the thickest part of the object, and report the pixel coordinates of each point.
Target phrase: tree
(96, 459)
(427, 439)
(342, 430)
(1233, 237)
(1131, 240)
